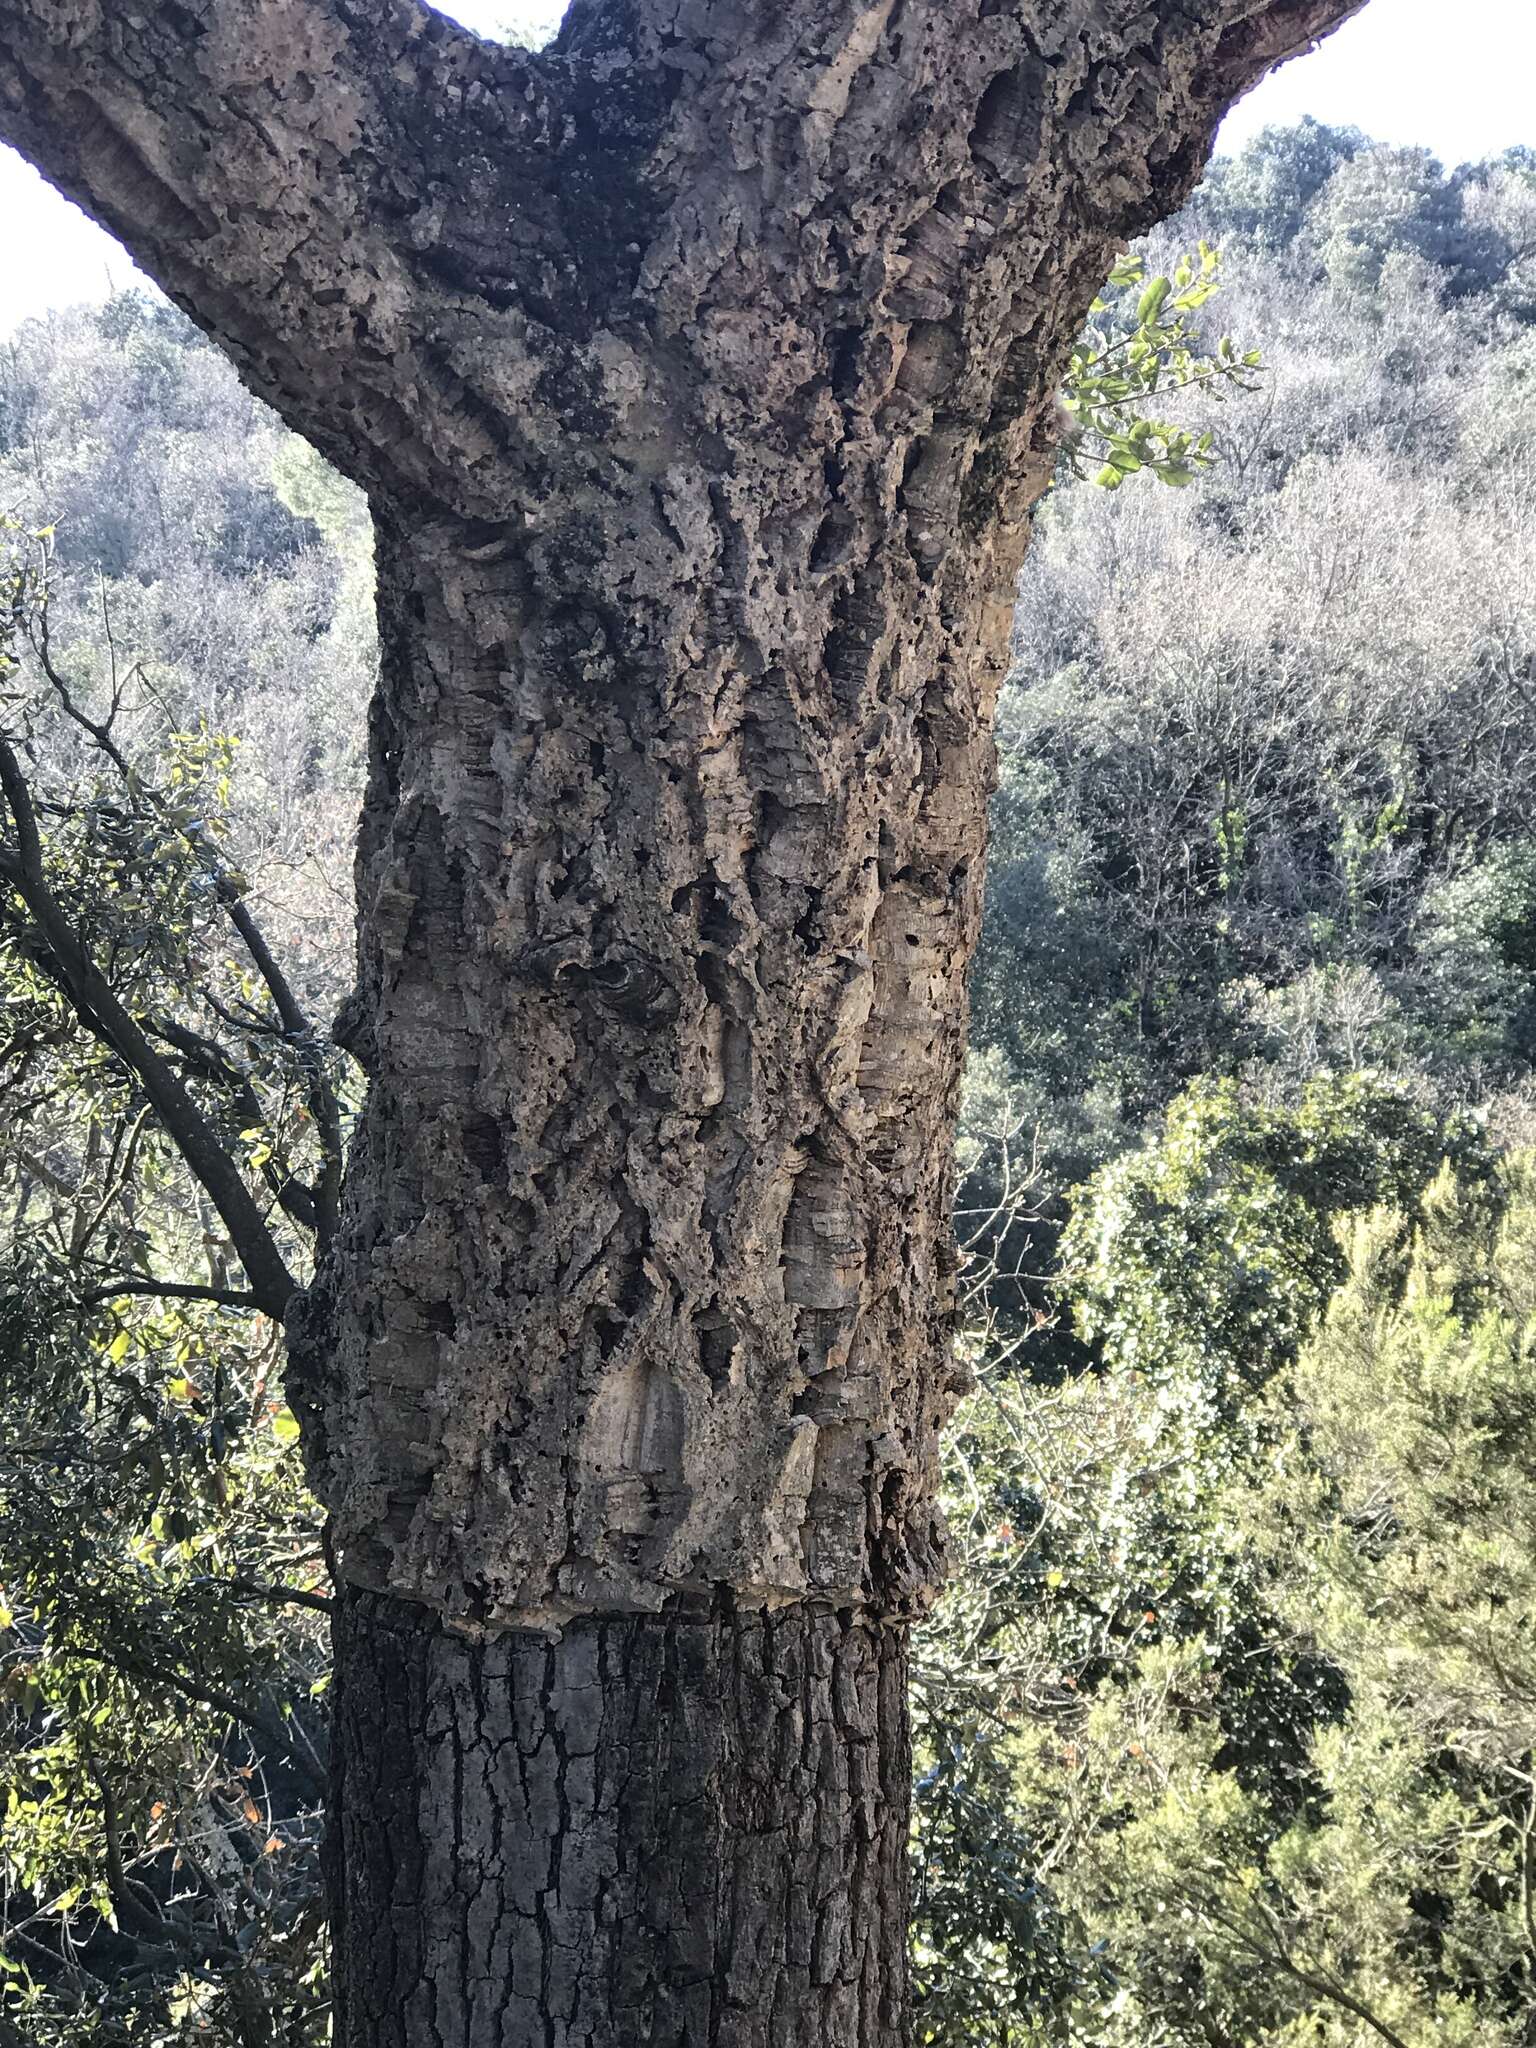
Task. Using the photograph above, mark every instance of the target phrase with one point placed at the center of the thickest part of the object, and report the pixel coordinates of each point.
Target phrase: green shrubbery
(1241, 1642)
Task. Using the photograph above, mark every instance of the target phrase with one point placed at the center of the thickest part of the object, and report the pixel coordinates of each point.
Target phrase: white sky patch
(1457, 79)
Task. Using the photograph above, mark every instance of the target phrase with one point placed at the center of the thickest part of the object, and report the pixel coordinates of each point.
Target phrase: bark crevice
(687, 1829)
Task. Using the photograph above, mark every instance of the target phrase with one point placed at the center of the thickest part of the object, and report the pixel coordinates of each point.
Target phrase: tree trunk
(701, 371)
(661, 993)
(679, 1829)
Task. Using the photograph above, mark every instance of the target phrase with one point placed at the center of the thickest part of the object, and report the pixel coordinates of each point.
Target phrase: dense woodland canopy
(1226, 1725)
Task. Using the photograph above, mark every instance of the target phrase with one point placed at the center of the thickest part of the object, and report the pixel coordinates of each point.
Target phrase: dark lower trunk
(680, 1830)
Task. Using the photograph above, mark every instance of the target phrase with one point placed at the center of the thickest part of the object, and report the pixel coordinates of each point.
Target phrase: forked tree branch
(419, 246)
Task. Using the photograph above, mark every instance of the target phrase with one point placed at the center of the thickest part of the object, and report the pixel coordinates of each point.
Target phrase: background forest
(1227, 1723)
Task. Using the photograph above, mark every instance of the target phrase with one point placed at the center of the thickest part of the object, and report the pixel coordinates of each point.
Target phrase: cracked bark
(652, 1829)
(700, 370)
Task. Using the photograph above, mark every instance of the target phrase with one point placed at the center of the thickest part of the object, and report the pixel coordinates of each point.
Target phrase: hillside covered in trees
(1227, 1721)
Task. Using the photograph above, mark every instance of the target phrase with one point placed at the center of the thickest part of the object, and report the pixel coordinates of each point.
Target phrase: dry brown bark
(700, 370)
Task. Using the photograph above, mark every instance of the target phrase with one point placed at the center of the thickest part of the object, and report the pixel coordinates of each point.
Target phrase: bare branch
(171, 1290)
(96, 1004)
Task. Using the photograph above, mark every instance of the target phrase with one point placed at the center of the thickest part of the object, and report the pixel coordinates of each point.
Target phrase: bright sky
(1456, 75)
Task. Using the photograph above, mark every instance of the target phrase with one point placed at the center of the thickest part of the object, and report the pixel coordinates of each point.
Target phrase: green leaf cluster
(1142, 345)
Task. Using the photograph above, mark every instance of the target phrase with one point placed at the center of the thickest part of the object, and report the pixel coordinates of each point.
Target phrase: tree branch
(276, 168)
(1265, 33)
(416, 244)
(171, 1290)
(137, 1906)
(97, 1005)
(278, 1596)
(321, 1211)
(204, 1057)
(301, 1035)
(213, 1696)
(1322, 1983)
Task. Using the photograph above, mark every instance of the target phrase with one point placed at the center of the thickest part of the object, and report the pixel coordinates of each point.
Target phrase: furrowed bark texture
(698, 370)
(674, 1830)
(672, 857)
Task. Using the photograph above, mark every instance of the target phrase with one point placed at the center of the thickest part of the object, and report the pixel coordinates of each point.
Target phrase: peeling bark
(701, 371)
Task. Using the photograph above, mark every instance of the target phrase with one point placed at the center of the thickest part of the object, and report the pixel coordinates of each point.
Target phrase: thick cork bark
(700, 370)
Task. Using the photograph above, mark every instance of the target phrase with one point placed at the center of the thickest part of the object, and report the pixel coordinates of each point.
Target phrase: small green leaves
(284, 1427)
(1155, 351)
(1152, 301)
